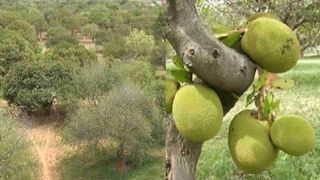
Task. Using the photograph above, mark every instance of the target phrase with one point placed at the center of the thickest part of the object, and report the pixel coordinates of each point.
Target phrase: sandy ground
(46, 145)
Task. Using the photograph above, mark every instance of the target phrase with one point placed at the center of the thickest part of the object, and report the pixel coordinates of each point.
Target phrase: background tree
(100, 16)
(74, 56)
(6, 17)
(34, 85)
(59, 36)
(139, 44)
(90, 30)
(301, 16)
(36, 18)
(13, 49)
(26, 30)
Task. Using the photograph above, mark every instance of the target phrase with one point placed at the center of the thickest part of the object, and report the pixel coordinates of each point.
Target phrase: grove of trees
(98, 60)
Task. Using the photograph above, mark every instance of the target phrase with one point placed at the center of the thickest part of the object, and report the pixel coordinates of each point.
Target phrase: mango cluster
(254, 144)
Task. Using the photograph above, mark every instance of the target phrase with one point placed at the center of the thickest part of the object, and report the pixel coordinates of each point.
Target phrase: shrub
(13, 48)
(95, 81)
(123, 115)
(60, 37)
(75, 56)
(15, 160)
(34, 85)
(26, 30)
(114, 48)
(138, 44)
(143, 75)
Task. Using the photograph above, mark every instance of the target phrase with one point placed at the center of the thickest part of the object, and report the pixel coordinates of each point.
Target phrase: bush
(15, 160)
(34, 85)
(75, 56)
(123, 115)
(143, 75)
(26, 30)
(138, 44)
(114, 48)
(13, 48)
(60, 37)
(95, 81)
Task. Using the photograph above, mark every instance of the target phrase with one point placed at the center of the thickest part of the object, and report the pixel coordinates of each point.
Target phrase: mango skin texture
(271, 44)
(249, 143)
(293, 135)
(197, 112)
(171, 89)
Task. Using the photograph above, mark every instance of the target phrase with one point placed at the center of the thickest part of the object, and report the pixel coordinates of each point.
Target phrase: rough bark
(220, 67)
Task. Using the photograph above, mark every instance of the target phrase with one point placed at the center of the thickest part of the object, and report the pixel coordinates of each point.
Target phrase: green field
(94, 164)
(304, 99)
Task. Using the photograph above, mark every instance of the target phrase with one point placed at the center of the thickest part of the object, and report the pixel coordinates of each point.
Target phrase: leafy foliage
(138, 44)
(90, 30)
(34, 85)
(15, 160)
(60, 37)
(76, 56)
(13, 48)
(6, 17)
(123, 115)
(26, 30)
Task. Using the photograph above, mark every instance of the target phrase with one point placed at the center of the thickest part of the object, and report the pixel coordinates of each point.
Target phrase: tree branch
(298, 23)
(311, 43)
(220, 67)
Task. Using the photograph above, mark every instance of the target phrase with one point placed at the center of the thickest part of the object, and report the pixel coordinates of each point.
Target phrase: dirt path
(46, 145)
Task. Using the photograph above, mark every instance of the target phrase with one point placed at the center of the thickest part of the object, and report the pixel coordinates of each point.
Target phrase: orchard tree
(36, 18)
(139, 44)
(35, 85)
(26, 30)
(13, 48)
(101, 16)
(6, 17)
(221, 67)
(90, 30)
(59, 36)
(213, 76)
(75, 56)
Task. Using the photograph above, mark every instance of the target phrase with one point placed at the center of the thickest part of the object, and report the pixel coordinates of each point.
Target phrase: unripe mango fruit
(249, 143)
(271, 44)
(293, 135)
(171, 89)
(197, 112)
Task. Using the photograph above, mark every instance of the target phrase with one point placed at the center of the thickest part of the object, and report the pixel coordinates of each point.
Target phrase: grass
(304, 99)
(16, 161)
(94, 164)
(215, 161)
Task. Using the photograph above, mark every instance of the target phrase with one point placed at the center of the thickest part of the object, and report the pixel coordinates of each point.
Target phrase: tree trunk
(223, 69)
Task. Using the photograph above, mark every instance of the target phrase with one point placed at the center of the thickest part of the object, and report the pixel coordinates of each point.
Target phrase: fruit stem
(260, 97)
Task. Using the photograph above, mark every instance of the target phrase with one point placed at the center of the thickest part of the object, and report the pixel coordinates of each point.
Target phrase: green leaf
(177, 61)
(232, 39)
(250, 97)
(178, 74)
(275, 106)
(261, 80)
(220, 28)
(222, 36)
(282, 83)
